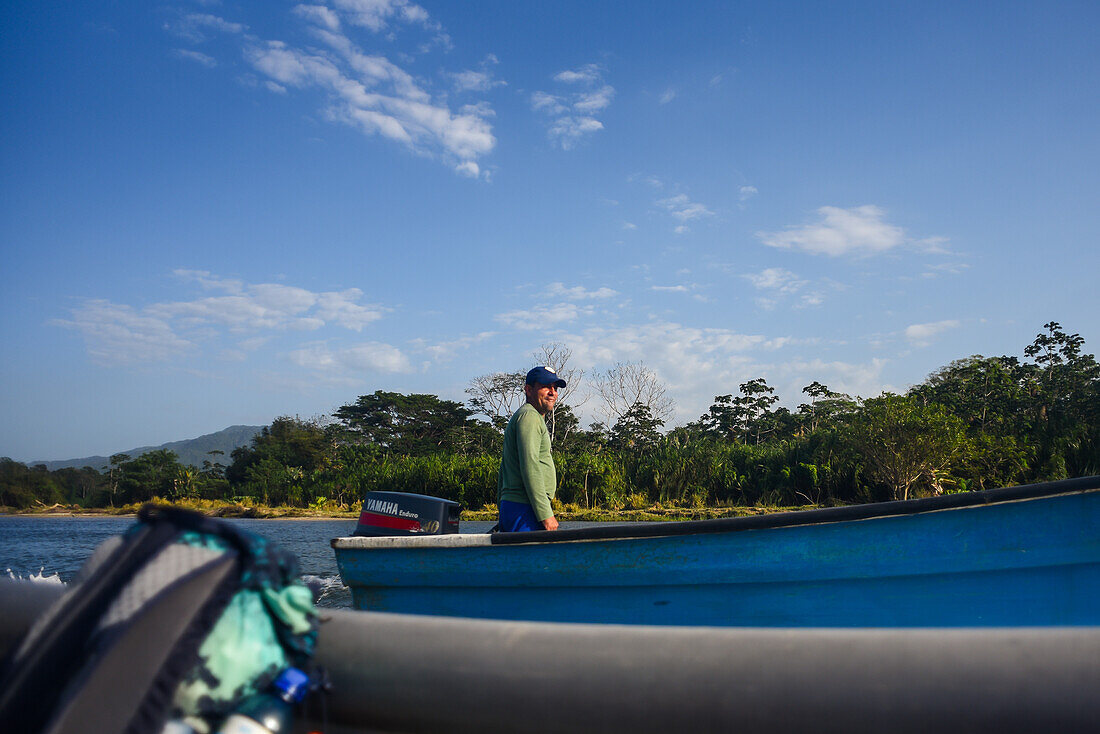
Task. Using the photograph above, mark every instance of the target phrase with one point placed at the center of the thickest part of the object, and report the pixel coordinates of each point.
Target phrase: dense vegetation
(977, 423)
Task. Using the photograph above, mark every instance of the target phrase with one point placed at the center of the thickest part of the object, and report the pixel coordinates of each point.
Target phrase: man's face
(542, 397)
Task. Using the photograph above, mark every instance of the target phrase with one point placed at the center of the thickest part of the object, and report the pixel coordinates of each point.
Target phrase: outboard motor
(400, 513)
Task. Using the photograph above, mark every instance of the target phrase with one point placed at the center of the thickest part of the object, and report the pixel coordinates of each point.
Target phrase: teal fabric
(268, 625)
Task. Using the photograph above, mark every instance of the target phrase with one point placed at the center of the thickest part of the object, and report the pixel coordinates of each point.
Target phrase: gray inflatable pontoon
(406, 673)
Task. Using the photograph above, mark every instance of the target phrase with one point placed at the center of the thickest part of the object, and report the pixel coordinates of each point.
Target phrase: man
(527, 479)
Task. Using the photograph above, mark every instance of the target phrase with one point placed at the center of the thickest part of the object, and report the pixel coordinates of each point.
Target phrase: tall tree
(1061, 383)
(496, 395)
(557, 357)
(637, 429)
(905, 445)
(414, 425)
(747, 416)
(982, 391)
(630, 383)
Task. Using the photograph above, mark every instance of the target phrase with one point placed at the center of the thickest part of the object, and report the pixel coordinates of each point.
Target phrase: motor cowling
(401, 513)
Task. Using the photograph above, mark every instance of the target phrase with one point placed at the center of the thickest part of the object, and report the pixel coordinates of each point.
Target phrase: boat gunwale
(821, 516)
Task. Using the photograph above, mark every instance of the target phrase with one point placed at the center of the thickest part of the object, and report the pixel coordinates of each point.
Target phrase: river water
(52, 548)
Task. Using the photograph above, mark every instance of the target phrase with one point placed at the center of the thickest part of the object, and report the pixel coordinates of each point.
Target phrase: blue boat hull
(1020, 562)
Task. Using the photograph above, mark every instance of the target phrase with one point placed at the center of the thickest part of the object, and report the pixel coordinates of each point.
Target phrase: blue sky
(220, 212)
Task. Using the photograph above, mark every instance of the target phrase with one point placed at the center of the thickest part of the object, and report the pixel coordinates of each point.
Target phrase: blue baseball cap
(544, 376)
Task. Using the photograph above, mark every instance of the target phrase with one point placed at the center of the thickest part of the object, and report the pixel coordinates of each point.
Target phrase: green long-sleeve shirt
(526, 469)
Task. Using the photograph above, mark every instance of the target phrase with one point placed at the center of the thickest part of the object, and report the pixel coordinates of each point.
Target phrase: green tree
(1061, 385)
(982, 391)
(906, 446)
(825, 406)
(496, 396)
(414, 425)
(636, 430)
(152, 474)
(748, 416)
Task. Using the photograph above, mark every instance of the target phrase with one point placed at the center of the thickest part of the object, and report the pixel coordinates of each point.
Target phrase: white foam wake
(328, 591)
(38, 578)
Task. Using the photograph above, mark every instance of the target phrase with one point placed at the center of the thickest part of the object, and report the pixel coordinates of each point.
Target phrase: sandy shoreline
(253, 513)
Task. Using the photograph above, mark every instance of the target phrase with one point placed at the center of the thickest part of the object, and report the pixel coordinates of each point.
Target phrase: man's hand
(550, 523)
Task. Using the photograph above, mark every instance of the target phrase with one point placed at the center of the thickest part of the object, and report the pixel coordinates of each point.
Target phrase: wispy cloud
(776, 279)
(921, 335)
(377, 15)
(667, 96)
(477, 80)
(195, 56)
(861, 230)
(573, 111)
(698, 363)
(941, 269)
(747, 192)
(578, 293)
(354, 360)
(541, 317)
(199, 27)
(444, 351)
(684, 210)
(364, 90)
(118, 334)
(777, 285)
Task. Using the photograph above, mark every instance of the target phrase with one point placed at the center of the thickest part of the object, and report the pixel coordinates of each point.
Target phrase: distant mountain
(192, 451)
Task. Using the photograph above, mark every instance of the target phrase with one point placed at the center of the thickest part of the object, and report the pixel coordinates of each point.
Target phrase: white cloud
(747, 192)
(629, 225)
(475, 81)
(116, 334)
(861, 230)
(684, 210)
(778, 284)
(468, 169)
(568, 130)
(777, 279)
(667, 96)
(573, 113)
(376, 15)
(377, 97)
(548, 103)
(342, 309)
(369, 357)
(670, 288)
(950, 268)
(934, 245)
(591, 102)
(587, 74)
(320, 15)
(200, 58)
(122, 334)
(578, 293)
(195, 27)
(541, 317)
(368, 92)
(921, 335)
(698, 363)
(444, 351)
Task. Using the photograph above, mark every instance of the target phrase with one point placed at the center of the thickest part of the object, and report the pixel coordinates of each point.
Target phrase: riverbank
(656, 513)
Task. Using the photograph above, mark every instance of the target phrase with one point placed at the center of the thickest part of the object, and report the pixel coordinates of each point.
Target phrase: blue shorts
(517, 517)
